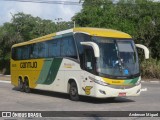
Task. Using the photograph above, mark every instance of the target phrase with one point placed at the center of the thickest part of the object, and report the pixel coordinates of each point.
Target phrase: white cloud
(30, 8)
(45, 11)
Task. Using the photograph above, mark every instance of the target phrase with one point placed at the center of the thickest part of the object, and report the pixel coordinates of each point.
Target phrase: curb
(5, 75)
(5, 81)
(154, 81)
(151, 81)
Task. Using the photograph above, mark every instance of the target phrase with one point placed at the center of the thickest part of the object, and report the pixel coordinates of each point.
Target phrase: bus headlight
(100, 82)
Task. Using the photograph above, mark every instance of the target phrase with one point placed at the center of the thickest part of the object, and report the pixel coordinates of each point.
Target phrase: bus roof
(87, 30)
(103, 32)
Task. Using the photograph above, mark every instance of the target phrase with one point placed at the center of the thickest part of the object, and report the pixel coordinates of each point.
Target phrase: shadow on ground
(82, 98)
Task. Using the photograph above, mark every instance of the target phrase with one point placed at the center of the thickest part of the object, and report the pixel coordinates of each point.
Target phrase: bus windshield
(118, 57)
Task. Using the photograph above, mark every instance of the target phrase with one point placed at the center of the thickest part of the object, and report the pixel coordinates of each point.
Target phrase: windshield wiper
(124, 69)
(121, 66)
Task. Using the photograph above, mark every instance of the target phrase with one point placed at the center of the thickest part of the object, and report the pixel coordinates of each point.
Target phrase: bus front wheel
(73, 92)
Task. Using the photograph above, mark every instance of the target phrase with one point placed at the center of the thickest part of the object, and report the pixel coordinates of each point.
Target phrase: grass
(150, 69)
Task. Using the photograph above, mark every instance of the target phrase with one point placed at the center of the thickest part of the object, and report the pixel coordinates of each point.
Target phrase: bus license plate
(122, 94)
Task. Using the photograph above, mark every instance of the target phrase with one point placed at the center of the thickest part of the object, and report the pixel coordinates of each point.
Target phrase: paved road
(38, 100)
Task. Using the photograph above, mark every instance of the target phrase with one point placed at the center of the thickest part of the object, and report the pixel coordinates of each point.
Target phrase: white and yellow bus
(94, 62)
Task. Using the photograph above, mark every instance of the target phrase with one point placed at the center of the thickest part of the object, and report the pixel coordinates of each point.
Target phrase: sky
(44, 11)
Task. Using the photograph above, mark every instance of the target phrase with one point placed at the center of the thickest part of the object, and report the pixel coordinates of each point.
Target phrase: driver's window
(89, 60)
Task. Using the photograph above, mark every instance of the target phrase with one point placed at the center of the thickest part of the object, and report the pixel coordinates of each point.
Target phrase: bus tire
(26, 86)
(111, 98)
(20, 85)
(73, 92)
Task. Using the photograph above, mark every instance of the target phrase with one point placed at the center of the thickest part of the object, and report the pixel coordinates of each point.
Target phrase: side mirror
(94, 46)
(146, 50)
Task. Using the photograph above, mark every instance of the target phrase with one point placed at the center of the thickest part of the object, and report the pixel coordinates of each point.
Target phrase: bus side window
(42, 50)
(19, 53)
(31, 51)
(25, 52)
(80, 37)
(14, 53)
(68, 48)
(53, 48)
(35, 51)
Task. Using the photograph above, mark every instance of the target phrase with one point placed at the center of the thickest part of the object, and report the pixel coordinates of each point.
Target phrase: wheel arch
(26, 78)
(20, 78)
(69, 82)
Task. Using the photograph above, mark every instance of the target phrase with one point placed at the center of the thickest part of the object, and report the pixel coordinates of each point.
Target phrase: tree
(31, 27)
(140, 18)
(24, 27)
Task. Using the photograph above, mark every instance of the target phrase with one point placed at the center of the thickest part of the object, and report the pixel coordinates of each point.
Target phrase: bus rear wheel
(73, 92)
(26, 86)
(20, 85)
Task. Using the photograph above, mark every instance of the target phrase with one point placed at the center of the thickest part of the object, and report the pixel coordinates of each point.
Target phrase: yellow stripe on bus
(113, 82)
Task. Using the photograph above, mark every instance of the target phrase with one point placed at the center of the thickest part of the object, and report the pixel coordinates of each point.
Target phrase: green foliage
(24, 27)
(150, 69)
(140, 18)
(8, 36)
(30, 27)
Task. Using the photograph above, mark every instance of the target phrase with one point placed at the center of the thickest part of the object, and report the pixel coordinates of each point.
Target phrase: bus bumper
(106, 91)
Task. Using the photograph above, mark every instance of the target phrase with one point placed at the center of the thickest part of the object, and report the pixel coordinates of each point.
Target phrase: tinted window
(80, 37)
(68, 47)
(25, 52)
(35, 51)
(13, 53)
(64, 47)
(42, 50)
(53, 48)
(20, 53)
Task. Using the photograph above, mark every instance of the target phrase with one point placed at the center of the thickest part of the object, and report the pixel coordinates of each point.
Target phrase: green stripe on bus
(132, 81)
(49, 71)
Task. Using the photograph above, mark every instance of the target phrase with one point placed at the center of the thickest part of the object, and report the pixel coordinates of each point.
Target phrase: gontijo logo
(28, 64)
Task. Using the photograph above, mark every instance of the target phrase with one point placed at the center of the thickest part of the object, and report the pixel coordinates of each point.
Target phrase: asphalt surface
(14, 100)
